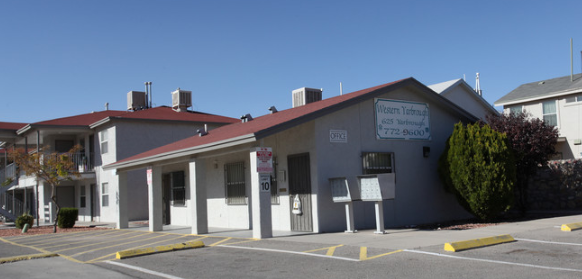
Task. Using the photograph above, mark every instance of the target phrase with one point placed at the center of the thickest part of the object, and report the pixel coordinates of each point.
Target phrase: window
(83, 201)
(515, 109)
(574, 99)
(103, 139)
(549, 111)
(105, 194)
(178, 188)
(377, 162)
(274, 188)
(234, 176)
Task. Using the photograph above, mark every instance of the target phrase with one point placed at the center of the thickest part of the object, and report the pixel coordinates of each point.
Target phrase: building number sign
(265, 182)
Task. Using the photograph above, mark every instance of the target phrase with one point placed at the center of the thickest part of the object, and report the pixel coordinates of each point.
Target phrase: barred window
(178, 188)
(234, 177)
(274, 188)
(377, 162)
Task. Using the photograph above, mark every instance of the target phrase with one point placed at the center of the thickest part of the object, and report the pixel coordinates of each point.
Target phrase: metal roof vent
(203, 131)
(246, 118)
(136, 100)
(181, 100)
(305, 95)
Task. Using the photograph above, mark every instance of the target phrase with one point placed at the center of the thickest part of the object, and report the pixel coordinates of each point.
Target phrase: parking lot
(540, 249)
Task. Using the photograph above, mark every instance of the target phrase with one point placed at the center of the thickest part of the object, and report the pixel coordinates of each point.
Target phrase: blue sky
(61, 58)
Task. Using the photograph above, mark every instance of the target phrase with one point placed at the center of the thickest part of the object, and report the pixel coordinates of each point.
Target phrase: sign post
(261, 169)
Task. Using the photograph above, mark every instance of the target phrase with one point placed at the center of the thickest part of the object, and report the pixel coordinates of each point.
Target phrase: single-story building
(214, 179)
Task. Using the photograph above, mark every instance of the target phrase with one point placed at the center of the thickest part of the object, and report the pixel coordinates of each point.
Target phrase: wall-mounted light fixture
(425, 151)
(215, 164)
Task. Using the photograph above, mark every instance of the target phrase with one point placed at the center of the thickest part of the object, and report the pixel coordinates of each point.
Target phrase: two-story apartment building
(558, 102)
(105, 137)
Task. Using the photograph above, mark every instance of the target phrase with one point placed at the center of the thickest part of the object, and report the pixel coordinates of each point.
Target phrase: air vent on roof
(181, 100)
(305, 95)
(136, 100)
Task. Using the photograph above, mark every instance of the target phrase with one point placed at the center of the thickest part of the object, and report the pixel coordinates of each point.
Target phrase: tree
(479, 168)
(52, 168)
(533, 142)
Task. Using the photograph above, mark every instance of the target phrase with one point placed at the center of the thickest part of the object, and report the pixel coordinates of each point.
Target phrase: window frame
(82, 197)
(178, 188)
(550, 114)
(235, 184)
(514, 109)
(104, 141)
(105, 194)
(378, 169)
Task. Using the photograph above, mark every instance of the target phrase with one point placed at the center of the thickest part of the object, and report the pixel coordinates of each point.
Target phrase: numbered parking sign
(265, 183)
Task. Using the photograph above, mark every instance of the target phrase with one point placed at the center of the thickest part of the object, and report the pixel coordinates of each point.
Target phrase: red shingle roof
(167, 113)
(263, 125)
(158, 113)
(11, 125)
(81, 119)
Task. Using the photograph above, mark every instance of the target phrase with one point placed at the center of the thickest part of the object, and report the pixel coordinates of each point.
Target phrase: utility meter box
(377, 187)
(340, 190)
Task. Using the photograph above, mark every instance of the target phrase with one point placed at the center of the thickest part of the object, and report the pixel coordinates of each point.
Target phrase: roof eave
(539, 97)
(186, 152)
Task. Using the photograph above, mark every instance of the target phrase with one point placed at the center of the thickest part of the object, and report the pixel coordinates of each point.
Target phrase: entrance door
(300, 184)
(166, 195)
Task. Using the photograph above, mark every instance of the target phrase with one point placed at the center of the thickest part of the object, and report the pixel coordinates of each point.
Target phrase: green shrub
(24, 219)
(479, 168)
(67, 217)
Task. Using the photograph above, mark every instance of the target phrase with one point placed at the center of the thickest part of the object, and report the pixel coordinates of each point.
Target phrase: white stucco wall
(420, 197)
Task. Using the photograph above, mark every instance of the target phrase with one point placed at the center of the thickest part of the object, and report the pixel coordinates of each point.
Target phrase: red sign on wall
(264, 160)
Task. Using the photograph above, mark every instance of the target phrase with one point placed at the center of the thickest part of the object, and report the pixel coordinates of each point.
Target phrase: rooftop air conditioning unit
(136, 100)
(181, 100)
(305, 95)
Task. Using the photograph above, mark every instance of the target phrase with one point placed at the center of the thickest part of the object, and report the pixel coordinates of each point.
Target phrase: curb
(571, 227)
(476, 243)
(158, 249)
(27, 257)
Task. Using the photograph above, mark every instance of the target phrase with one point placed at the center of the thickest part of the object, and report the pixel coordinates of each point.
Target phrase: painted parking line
(549, 242)
(287, 252)
(330, 250)
(144, 270)
(109, 241)
(63, 242)
(364, 254)
(492, 261)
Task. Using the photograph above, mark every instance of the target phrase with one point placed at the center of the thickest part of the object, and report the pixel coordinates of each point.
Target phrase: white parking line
(493, 261)
(549, 242)
(144, 270)
(290, 252)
